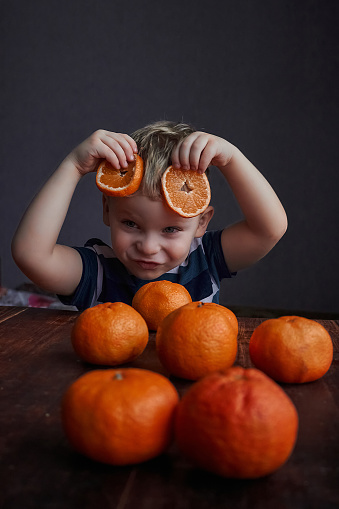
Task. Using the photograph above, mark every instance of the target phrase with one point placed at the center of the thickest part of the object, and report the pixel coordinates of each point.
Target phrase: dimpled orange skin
(120, 416)
(109, 334)
(236, 423)
(291, 349)
(157, 299)
(196, 339)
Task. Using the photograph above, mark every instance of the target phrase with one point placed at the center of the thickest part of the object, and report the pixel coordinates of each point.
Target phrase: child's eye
(129, 224)
(171, 229)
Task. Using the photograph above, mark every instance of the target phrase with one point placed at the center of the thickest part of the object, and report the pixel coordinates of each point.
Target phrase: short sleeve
(83, 296)
(214, 254)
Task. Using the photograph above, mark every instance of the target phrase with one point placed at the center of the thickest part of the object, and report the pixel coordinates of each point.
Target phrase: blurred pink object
(39, 301)
(9, 297)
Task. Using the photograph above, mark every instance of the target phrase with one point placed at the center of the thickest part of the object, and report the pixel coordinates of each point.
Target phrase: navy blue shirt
(105, 278)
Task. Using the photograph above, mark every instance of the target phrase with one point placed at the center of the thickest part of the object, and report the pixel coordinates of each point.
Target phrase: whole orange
(157, 299)
(236, 423)
(197, 339)
(291, 349)
(109, 334)
(120, 416)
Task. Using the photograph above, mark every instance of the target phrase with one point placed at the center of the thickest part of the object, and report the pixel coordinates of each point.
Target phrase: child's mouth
(147, 265)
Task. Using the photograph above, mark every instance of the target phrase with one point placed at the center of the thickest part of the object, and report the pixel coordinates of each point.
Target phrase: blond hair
(155, 143)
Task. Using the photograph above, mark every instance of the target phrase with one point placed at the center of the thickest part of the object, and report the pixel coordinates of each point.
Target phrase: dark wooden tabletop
(39, 470)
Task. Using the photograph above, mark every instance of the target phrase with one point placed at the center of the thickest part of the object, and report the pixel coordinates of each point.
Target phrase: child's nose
(149, 245)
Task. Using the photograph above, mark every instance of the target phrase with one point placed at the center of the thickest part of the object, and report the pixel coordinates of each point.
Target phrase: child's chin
(147, 273)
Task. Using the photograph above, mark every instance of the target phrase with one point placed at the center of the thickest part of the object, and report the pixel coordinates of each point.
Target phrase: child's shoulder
(100, 247)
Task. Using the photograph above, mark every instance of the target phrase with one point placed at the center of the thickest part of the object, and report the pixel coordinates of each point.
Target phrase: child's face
(147, 236)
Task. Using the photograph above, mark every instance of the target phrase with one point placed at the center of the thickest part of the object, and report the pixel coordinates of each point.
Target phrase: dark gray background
(262, 74)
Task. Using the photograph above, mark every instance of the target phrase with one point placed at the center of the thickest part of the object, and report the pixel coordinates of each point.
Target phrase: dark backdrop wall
(262, 74)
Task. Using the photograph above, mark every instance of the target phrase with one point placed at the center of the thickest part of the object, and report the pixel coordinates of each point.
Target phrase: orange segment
(186, 192)
(120, 182)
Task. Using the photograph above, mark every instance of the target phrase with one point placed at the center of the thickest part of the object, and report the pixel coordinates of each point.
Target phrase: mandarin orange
(109, 334)
(236, 423)
(120, 416)
(291, 349)
(196, 339)
(157, 299)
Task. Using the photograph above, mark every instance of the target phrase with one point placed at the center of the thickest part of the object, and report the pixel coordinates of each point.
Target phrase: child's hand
(117, 148)
(200, 150)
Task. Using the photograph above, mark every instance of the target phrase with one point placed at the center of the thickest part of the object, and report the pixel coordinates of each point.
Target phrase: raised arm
(52, 266)
(265, 221)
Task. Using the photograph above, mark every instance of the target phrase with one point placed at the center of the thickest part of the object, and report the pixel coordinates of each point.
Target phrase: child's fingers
(197, 160)
(105, 152)
(175, 156)
(114, 154)
(181, 152)
(122, 147)
(126, 142)
(208, 153)
(195, 152)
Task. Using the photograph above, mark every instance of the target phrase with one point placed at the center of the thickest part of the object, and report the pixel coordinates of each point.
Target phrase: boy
(149, 241)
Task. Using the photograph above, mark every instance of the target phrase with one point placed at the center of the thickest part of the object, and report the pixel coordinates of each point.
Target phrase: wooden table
(39, 470)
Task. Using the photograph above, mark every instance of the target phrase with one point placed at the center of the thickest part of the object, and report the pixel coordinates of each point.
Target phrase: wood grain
(40, 470)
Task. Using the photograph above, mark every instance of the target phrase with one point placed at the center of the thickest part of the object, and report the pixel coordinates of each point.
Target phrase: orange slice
(120, 182)
(186, 192)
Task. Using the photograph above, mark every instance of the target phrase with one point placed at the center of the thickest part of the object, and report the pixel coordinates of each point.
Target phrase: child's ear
(204, 219)
(105, 210)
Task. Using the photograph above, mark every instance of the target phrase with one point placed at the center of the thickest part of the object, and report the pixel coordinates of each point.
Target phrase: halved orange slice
(120, 182)
(186, 192)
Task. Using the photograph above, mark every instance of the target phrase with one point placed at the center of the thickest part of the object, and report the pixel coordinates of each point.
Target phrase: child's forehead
(135, 200)
(140, 204)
